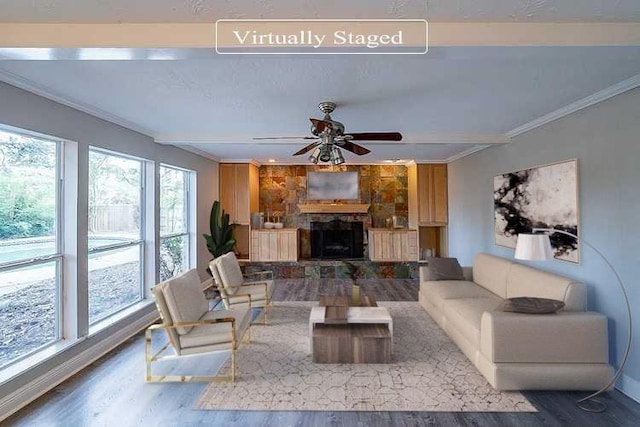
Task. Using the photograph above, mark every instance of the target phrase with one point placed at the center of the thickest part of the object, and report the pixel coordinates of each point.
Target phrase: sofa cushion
(530, 305)
(437, 292)
(491, 272)
(527, 281)
(443, 269)
(185, 299)
(465, 314)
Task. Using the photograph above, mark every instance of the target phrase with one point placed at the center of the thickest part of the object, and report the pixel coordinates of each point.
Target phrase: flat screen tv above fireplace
(332, 186)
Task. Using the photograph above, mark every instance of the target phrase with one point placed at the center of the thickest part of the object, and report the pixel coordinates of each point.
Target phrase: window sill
(19, 367)
(13, 370)
(120, 315)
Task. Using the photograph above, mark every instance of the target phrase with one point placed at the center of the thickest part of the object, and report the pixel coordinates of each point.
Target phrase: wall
(282, 188)
(25, 110)
(604, 139)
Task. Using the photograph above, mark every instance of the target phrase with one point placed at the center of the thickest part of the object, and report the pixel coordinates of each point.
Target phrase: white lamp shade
(533, 247)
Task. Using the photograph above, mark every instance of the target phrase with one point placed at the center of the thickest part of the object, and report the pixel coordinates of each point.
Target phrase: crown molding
(45, 92)
(585, 102)
(466, 153)
(248, 161)
(199, 152)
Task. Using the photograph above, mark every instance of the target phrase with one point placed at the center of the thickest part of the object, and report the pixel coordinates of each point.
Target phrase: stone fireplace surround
(284, 188)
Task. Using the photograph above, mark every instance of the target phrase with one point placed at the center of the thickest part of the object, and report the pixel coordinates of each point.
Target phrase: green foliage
(171, 262)
(113, 181)
(27, 187)
(220, 241)
(17, 150)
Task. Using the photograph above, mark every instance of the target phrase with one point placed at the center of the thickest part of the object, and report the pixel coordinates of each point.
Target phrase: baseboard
(36, 388)
(629, 387)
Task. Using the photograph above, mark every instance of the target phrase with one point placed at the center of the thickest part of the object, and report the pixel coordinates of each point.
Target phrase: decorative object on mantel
(537, 247)
(331, 137)
(544, 196)
(331, 208)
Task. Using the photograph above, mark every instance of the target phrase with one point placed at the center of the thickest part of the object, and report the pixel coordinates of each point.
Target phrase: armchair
(236, 289)
(191, 328)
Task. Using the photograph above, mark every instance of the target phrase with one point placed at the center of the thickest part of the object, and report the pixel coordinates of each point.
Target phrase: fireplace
(337, 239)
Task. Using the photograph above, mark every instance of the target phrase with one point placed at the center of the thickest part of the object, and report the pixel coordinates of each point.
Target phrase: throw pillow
(444, 269)
(530, 305)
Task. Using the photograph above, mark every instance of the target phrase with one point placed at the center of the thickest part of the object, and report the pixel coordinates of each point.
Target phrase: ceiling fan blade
(307, 148)
(285, 137)
(354, 148)
(321, 125)
(375, 136)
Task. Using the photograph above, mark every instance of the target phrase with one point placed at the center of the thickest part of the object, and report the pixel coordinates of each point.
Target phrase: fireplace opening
(337, 239)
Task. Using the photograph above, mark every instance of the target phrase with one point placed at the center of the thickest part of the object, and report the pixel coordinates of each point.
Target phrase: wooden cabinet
(239, 191)
(275, 245)
(428, 200)
(393, 244)
(239, 197)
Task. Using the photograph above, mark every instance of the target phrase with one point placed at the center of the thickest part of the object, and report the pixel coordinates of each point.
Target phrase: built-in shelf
(331, 208)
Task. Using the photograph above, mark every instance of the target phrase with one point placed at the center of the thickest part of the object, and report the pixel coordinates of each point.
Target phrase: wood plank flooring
(111, 392)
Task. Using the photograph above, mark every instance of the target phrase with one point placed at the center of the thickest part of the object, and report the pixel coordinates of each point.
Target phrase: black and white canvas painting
(544, 197)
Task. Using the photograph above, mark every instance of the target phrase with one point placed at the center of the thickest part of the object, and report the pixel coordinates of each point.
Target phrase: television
(332, 186)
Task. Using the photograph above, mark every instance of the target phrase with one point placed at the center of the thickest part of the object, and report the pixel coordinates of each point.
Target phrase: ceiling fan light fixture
(313, 158)
(336, 156)
(325, 153)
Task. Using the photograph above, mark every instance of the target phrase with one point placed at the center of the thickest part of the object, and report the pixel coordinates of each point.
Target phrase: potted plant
(221, 240)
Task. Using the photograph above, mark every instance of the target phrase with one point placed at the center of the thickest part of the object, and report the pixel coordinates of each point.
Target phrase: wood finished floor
(111, 392)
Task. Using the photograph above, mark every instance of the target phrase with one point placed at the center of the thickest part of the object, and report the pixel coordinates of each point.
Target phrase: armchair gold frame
(228, 300)
(151, 357)
(172, 334)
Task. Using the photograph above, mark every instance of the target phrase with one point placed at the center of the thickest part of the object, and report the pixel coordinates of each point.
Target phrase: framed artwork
(542, 196)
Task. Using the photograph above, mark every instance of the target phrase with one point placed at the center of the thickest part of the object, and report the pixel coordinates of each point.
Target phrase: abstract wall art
(543, 196)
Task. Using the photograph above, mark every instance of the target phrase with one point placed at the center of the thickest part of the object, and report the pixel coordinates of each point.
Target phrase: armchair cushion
(230, 273)
(216, 335)
(185, 299)
(161, 304)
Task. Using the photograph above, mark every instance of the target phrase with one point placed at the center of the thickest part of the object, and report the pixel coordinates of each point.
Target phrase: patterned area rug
(428, 372)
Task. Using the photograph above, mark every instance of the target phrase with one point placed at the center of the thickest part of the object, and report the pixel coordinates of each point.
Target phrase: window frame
(140, 241)
(188, 209)
(57, 256)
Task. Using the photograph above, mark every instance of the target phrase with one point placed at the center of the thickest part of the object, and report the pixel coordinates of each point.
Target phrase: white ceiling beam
(191, 35)
(412, 139)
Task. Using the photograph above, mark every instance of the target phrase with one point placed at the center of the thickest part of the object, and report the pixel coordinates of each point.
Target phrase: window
(174, 221)
(115, 233)
(30, 249)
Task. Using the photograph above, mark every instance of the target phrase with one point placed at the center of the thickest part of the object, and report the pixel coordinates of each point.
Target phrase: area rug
(427, 373)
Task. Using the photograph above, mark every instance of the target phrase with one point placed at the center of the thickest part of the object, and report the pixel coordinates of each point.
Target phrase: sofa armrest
(563, 337)
(467, 272)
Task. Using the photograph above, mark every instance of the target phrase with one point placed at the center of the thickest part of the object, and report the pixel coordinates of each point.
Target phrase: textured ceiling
(212, 10)
(445, 103)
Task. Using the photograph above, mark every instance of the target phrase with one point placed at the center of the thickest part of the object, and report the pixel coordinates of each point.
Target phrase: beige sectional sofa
(567, 350)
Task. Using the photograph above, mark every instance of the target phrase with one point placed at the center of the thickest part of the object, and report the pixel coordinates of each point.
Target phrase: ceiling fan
(330, 137)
